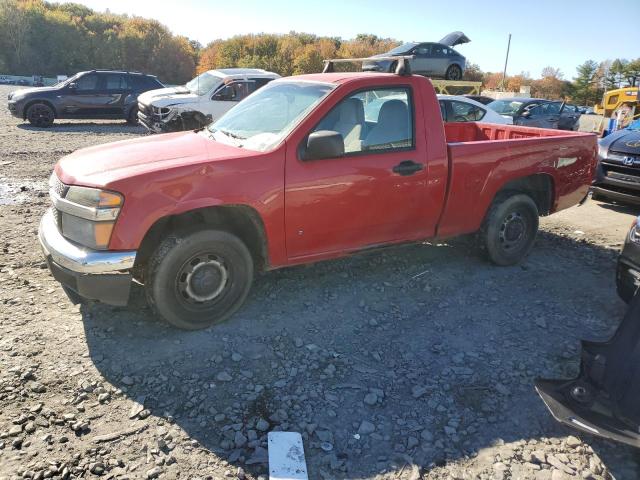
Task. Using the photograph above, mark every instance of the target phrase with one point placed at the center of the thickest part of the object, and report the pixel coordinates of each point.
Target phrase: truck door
(227, 96)
(376, 192)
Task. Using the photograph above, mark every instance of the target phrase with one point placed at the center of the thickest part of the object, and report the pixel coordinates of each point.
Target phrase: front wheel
(132, 119)
(510, 229)
(454, 72)
(198, 279)
(40, 115)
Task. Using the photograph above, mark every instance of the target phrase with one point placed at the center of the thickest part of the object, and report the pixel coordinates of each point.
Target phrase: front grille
(626, 159)
(145, 109)
(57, 186)
(623, 177)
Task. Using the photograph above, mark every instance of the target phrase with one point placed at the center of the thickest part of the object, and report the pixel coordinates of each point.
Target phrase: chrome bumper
(76, 258)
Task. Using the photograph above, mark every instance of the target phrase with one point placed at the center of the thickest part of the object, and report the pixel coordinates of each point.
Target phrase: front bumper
(617, 182)
(151, 124)
(14, 109)
(104, 276)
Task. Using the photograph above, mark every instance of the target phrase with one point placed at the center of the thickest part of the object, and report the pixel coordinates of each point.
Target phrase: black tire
(40, 115)
(193, 302)
(392, 66)
(454, 72)
(132, 119)
(510, 228)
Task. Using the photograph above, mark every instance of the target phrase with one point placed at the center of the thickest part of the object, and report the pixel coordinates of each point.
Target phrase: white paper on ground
(286, 456)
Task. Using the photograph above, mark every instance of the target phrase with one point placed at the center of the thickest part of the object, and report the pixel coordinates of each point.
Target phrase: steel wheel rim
(202, 280)
(513, 231)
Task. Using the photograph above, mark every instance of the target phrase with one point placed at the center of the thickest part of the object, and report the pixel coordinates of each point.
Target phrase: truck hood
(105, 165)
(454, 38)
(165, 97)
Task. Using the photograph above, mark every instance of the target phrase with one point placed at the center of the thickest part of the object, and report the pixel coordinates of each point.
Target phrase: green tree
(585, 84)
(632, 72)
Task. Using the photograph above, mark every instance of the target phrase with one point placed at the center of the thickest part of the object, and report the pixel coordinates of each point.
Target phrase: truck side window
(233, 92)
(378, 119)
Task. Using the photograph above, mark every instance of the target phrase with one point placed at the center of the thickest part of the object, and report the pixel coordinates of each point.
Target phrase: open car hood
(603, 400)
(454, 38)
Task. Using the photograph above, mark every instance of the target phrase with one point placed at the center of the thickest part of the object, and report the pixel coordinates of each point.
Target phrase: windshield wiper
(232, 135)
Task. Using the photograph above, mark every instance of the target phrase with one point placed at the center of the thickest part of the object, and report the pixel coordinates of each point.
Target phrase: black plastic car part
(605, 398)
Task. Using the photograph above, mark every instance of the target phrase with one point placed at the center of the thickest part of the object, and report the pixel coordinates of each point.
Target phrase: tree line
(49, 39)
(43, 38)
(586, 88)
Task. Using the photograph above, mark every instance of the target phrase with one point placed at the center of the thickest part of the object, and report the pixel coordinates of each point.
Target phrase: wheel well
(539, 187)
(32, 102)
(240, 220)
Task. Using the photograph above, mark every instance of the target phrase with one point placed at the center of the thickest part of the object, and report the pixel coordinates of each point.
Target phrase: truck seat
(392, 125)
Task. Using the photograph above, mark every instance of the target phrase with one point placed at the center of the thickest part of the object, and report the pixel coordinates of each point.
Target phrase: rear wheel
(40, 115)
(510, 228)
(454, 72)
(198, 279)
(393, 66)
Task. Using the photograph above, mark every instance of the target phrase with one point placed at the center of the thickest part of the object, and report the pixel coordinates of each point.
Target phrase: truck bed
(484, 157)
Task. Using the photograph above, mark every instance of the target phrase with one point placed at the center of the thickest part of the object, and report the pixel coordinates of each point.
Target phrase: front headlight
(88, 215)
(634, 236)
(602, 151)
(93, 197)
(95, 235)
(161, 111)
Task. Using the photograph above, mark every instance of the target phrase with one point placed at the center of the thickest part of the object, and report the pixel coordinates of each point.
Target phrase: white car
(201, 101)
(455, 108)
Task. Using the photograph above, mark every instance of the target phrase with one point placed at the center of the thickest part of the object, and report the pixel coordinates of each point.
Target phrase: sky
(558, 33)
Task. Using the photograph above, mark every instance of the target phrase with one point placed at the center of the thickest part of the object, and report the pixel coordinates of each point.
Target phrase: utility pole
(506, 60)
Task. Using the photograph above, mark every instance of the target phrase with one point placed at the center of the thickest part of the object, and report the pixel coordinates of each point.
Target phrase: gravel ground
(414, 362)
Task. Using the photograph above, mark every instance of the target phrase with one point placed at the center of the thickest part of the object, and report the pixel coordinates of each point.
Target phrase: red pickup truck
(308, 168)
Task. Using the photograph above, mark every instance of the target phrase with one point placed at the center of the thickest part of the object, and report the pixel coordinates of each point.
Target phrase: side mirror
(526, 114)
(324, 144)
(72, 86)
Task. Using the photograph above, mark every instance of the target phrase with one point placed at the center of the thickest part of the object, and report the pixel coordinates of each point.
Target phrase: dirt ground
(414, 362)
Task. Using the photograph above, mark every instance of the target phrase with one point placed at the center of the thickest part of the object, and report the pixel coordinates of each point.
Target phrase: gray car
(96, 94)
(537, 112)
(434, 59)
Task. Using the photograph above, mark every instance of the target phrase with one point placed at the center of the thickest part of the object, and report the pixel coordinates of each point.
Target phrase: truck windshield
(203, 83)
(264, 118)
(505, 107)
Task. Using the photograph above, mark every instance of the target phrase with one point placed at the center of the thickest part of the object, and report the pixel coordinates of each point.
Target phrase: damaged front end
(166, 119)
(605, 398)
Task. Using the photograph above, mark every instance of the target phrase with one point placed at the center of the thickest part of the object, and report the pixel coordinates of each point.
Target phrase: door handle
(407, 167)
